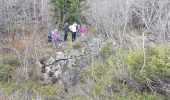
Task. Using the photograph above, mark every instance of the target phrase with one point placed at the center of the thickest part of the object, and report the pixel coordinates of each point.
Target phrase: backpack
(49, 37)
(54, 35)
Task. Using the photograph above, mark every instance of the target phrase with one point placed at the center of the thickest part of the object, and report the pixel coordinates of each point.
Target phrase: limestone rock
(49, 61)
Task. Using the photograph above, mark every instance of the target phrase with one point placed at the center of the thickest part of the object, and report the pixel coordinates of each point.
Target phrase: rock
(57, 74)
(47, 69)
(67, 54)
(75, 52)
(69, 65)
(66, 78)
(71, 62)
(75, 59)
(50, 60)
(1, 62)
(47, 79)
(74, 76)
(38, 64)
(83, 51)
(60, 55)
(97, 42)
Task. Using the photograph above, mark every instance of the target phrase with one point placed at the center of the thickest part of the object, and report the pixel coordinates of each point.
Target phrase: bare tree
(111, 16)
(19, 18)
(115, 17)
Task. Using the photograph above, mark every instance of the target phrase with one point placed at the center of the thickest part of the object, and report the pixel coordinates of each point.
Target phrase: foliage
(7, 66)
(107, 86)
(106, 50)
(104, 78)
(5, 72)
(157, 64)
(109, 78)
(68, 8)
(65, 66)
(12, 61)
(157, 61)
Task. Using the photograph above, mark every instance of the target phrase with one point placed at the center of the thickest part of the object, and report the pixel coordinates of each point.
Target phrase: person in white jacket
(73, 29)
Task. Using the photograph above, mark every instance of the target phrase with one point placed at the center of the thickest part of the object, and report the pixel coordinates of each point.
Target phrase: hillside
(123, 54)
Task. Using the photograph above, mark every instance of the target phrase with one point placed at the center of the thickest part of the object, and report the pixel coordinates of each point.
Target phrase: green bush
(8, 63)
(11, 61)
(155, 59)
(119, 64)
(100, 74)
(68, 9)
(134, 60)
(106, 50)
(157, 63)
(104, 75)
(5, 72)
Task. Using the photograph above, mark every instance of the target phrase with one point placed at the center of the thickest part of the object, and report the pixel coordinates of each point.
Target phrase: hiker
(49, 35)
(73, 30)
(54, 36)
(66, 29)
(78, 29)
(82, 30)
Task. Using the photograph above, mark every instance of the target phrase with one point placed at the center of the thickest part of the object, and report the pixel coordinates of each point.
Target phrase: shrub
(11, 61)
(157, 60)
(157, 64)
(5, 72)
(8, 63)
(106, 50)
(108, 87)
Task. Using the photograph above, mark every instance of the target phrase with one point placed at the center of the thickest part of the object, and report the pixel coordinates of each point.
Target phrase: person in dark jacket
(49, 35)
(66, 29)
